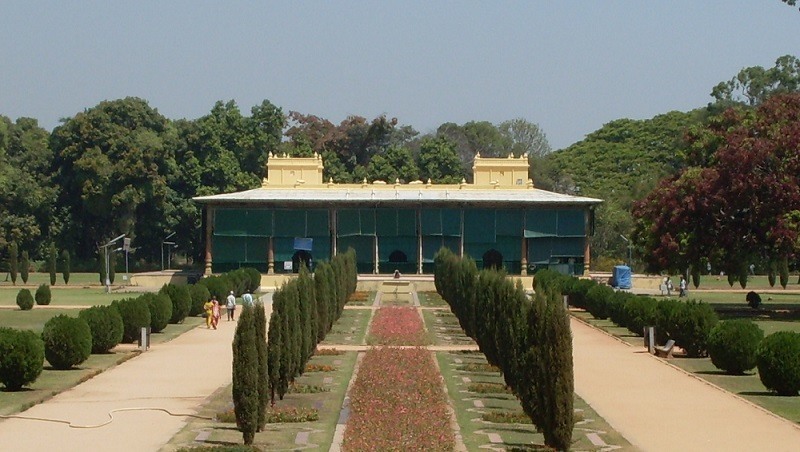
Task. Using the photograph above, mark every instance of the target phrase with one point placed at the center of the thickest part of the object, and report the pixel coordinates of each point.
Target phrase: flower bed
(397, 403)
(397, 326)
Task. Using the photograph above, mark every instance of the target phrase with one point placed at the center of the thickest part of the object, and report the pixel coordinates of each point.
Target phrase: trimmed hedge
(135, 314)
(199, 294)
(218, 286)
(25, 299)
(21, 358)
(778, 362)
(43, 295)
(160, 307)
(181, 301)
(732, 345)
(67, 341)
(597, 299)
(105, 323)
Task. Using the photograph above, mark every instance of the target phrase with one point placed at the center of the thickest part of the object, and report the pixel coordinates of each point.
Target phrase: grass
(443, 327)
(754, 282)
(75, 279)
(350, 329)
(431, 299)
(280, 436)
(68, 297)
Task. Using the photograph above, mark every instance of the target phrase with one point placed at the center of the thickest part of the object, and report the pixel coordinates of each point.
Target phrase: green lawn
(68, 296)
(757, 283)
(75, 279)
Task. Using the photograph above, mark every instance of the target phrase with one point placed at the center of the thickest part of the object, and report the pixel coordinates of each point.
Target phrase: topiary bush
(25, 267)
(597, 300)
(21, 358)
(732, 345)
(199, 294)
(217, 286)
(160, 310)
(105, 323)
(778, 362)
(43, 295)
(67, 341)
(25, 299)
(753, 299)
(640, 312)
(181, 301)
(135, 314)
(577, 292)
(694, 323)
(254, 279)
(666, 319)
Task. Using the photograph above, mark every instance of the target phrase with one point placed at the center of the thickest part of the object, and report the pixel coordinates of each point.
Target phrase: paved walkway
(660, 408)
(177, 376)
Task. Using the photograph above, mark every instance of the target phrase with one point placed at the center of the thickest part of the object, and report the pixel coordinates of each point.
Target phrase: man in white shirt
(247, 299)
(231, 305)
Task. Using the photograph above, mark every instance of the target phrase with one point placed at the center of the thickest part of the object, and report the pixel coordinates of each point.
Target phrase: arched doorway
(398, 256)
(301, 256)
(493, 259)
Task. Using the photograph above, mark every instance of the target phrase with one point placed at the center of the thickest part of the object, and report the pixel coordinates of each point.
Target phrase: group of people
(212, 308)
(683, 286)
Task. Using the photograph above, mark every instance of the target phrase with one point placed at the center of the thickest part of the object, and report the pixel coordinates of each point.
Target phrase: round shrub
(254, 277)
(43, 295)
(694, 323)
(616, 307)
(753, 299)
(577, 292)
(105, 323)
(239, 280)
(668, 311)
(25, 299)
(200, 295)
(67, 341)
(181, 301)
(597, 300)
(160, 310)
(732, 345)
(217, 286)
(21, 358)
(778, 362)
(640, 312)
(135, 315)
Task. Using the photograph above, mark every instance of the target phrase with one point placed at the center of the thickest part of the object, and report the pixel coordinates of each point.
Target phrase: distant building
(500, 220)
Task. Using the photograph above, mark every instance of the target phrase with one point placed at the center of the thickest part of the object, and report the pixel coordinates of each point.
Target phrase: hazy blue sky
(569, 66)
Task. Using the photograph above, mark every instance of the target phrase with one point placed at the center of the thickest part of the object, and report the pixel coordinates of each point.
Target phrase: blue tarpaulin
(622, 277)
(303, 243)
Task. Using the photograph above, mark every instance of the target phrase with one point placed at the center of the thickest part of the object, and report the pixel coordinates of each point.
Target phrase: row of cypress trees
(303, 312)
(20, 265)
(528, 339)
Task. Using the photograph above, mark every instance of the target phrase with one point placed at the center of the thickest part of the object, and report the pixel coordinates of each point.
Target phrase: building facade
(500, 220)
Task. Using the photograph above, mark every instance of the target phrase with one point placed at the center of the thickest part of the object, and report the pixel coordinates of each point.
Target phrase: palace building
(500, 220)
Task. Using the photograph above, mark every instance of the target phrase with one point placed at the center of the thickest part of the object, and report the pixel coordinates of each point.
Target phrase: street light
(106, 255)
(630, 247)
(165, 242)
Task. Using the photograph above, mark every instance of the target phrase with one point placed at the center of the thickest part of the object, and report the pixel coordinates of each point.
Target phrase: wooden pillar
(419, 242)
(271, 258)
(524, 261)
(209, 235)
(587, 252)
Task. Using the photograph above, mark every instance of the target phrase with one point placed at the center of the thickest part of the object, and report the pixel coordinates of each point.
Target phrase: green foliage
(439, 162)
(101, 267)
(112, 266)
(24, 267)
(694, 324)
(254, 279)
(25, 299)
(260, 324)
(696, 276)
(199, 294)
(732, 345)
(783, 271)
(67, 341)
(308, 321)
(778, 362)
(217, 286)
(772, 271)
(43, 295)
(597, 299)
(275, 346)
(21, 358)
(13, 262)
(160, 307)
(52, 256)
(65, 269)
(640, 312)
(753, 85)
(246, 399)
(135, 313)
(105, 323)
(181, 301)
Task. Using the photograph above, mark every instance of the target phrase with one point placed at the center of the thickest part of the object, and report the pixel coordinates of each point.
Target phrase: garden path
(177, 376)
(657, 406)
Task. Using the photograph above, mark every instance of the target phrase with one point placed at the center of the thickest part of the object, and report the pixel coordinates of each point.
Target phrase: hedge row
(529, 340)
(239, 281)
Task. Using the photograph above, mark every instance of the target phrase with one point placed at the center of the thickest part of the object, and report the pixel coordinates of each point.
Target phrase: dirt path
(660, 408)
(176, 376)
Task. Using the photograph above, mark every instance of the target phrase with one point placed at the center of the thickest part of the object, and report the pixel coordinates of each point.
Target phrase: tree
(65, 262)
(52, 256)
(439, 162)
(260, 321)
(275, 345)
(24, 267)
(13, 263)
(525, 137)
(396, 164)
(245, 375)
(753, 85)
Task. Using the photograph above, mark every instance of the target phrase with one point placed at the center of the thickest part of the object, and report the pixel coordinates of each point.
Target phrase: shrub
(43, 295)
(640, 312)
(52, 255)
(783, 271)
(778, 362)
(693, 325)
(25, 299)
(217, 286)
(616, 307)
(577, 292)
(25, 266)
(254, 277)
(199, 294)
(21, 358)
(13, 262)
(246, 399)
(66, 263)
(181, 301)
(135, 315)
(753, 299)
(105, 323)
(67, 341)
(597, 300)
(160, 307)
(732, 345)
(666, 319)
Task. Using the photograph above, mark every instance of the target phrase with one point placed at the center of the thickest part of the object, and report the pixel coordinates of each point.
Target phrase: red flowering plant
(394, 325)
(398, 404)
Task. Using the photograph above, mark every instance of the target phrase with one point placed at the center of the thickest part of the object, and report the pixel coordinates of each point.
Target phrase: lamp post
(106, 256)
(630, 247)
(165, 242)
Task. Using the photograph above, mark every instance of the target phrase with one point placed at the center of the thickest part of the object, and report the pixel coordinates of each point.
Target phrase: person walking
(247, 299)
(214, 312)
(682, 286)
(208, 307)
(230, 305)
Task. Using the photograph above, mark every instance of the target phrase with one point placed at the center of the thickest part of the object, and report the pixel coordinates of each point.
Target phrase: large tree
(755, 84)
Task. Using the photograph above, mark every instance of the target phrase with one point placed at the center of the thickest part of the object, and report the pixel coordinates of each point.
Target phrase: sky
(569, 66)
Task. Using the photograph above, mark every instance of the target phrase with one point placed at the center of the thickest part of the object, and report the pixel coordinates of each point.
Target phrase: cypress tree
(66, 266)
(25, 264)
(101, 267)
(263, 370)
(13, 262)
(245, 375)
(296, 329)
(783, 271)
(112, 271)
(275, 346)
(51, 263)
(287, 356)
(305, 305)
(321, 300)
